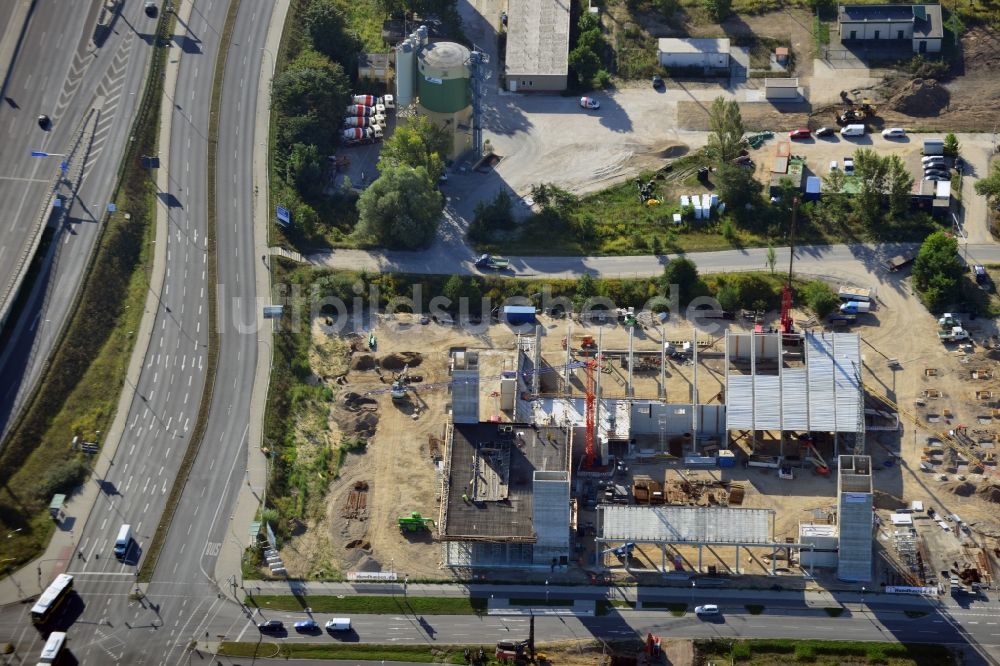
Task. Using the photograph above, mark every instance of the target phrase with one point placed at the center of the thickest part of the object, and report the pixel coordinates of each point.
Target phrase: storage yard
(751, 449)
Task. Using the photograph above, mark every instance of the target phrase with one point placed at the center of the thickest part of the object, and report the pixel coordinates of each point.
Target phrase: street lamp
(862, 597)
(546, 591)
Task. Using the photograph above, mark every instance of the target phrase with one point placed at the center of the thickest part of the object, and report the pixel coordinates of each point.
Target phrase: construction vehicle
(414, 522)
(856, 113)
(356, 136)
(623, 552)
(854, 294)
(388, 101)
(956, 439)
(647, 191)
(953, 334)
(493, 262)
(811, 455)
(587, 343)
(399, 385)
(364, 121)
(520, 652)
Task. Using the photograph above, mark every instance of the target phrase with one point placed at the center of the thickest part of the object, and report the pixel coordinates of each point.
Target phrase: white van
(339, 624)
(853, 130)
(123, 542)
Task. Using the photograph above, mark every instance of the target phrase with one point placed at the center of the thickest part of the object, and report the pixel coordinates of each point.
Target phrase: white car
(589, 103)
(933, 159)
(893, 133)
(848, 166)
(833, 165)
(707, 609)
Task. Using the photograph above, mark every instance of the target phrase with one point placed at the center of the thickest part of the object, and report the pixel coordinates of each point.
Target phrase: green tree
(737, 187)
(584, 63)
(682, 272)
(454, 289)
(586, 287)
(989, 187)
(307, 129)
(304, 170)
(951, 145)
(310, 95)
(496, 214)
(400, 210)
(771, 258)
(871, 171)
(726, 130)
(719, 9)
(728, 297)
(327, 26)
(937, 270)
(417, 143)
(899, 185)
(820, 298)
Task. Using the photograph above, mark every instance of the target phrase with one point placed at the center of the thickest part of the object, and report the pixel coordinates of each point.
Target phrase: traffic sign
(283, 215)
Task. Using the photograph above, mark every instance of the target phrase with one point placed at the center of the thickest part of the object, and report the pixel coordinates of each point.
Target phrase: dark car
(658, 82)
(936, 172)
(936, 177)
(45, 122)
(825, 131)
(800, 134)
(151, 9)
(271, 625)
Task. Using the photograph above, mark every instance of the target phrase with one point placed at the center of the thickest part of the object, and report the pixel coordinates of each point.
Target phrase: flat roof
(537, 37)
(684, 524)
(493, 465)
(675, 45)
(926, 19)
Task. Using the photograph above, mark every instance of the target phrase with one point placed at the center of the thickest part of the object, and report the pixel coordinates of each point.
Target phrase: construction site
(643, 449)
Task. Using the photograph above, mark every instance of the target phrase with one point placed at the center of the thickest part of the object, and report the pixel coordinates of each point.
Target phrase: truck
(359, 110)
(856, 307)
(355, 136)
(953, 334)
(388, 101)
(900, 261)
(123, 543)
(493, 262)
(860, 294)
(364, 121)
(948, 320)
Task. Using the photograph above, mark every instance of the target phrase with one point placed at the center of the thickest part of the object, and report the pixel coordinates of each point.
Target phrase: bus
(53, 648)
(52, 598)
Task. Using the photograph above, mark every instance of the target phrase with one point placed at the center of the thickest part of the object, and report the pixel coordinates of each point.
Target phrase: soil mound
(888, 502)
(365, 425)
(960, 488)
(990, 493)
(395, 362)
(355, 402)
(670, 150)
(920, 97)
(362, 362)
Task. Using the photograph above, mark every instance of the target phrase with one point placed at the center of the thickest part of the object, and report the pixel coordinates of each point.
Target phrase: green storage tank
(443, 77)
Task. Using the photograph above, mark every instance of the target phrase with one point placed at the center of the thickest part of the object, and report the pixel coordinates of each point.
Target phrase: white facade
(705, 53)
(781, 89)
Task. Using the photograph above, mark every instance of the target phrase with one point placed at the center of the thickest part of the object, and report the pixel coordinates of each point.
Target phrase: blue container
(726, 458)
(517, 315)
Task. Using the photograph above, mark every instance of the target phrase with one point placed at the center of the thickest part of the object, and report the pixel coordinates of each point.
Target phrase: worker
(465, 498)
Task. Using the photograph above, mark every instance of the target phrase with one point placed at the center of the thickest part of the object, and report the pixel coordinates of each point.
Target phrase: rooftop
(684, 524)
(538, 37)
(493, 465)
(675, 45)
(926, 19)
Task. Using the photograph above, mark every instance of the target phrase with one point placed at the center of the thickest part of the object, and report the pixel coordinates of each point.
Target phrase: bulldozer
(856, 113)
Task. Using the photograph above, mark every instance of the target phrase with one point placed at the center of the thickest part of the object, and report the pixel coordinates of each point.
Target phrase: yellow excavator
(857, 113)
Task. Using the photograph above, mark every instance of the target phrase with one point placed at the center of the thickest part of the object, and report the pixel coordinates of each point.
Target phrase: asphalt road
(61, 73)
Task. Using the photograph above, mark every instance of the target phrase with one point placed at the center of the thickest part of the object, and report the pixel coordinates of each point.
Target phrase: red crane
(589, 454)
(786, 292)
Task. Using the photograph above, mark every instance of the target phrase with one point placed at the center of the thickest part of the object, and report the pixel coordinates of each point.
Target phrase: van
(124, 542)
(339, 624)
(853, 130)
(933, 146)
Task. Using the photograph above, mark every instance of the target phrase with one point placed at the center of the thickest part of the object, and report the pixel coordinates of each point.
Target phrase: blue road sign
(284, 217)
(39, 153)
(64, 166)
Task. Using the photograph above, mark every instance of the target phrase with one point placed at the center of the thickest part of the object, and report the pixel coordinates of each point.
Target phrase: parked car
(849, 166)
(707, 609)
(933, 158)
(589, 103)
(893, 133)
(658, 82)
(306, 625)
(801, 133)
(151, 9)
(982, 277)
(271, 625)
(825, 131)
(936, 172)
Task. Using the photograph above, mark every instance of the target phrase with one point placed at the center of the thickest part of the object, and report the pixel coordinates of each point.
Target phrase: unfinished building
(855, 501)
(506, 496)
(789, 395)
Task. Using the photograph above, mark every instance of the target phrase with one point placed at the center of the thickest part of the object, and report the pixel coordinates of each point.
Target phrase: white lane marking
(147, 508)
(129, 484)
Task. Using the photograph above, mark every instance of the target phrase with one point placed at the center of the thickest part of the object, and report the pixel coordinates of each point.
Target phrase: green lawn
(778, 652)
(417, 654)
(373, 605)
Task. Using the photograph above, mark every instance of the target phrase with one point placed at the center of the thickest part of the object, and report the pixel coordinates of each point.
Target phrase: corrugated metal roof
(684, 524)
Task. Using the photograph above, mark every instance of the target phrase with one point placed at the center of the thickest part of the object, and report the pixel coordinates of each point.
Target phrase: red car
(800, 134)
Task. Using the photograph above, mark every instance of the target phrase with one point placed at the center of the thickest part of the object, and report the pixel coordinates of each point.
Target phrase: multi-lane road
(60, 71)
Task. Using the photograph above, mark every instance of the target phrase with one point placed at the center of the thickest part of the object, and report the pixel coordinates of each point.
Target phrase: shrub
(61, 477)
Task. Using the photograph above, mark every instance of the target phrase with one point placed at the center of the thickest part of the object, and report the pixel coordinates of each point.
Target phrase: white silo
(406, 67)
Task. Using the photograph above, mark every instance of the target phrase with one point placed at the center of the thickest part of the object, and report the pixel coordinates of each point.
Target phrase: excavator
(856, 113)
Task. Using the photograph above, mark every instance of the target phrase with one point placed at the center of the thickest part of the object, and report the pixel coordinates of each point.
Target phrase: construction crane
(589, 455)
(975, 459)
(398, 387)
(786, 292)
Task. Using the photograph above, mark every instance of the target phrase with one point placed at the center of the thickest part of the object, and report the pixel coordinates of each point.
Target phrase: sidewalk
(229, 562)
(59, 553)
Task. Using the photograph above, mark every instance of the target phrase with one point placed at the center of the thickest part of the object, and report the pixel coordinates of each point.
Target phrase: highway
(60, 72)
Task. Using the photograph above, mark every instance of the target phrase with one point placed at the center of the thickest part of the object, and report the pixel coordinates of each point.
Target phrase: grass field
(373, 605)
(451, 654)
(778, 652)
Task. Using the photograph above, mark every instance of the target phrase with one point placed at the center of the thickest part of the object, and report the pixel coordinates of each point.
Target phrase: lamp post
(862, 597)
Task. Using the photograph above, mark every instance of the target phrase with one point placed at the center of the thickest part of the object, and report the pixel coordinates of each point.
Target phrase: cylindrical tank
(406, 65)
(443, 77)
(421, 34)
(366, 100)
(359, 110)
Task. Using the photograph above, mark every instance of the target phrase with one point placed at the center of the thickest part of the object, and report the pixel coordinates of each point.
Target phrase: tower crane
(786, 292)
(590, 455)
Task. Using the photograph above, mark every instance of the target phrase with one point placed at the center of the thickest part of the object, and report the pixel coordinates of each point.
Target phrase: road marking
(164, 489)
(183, 546)
(186, 424)
(171, 419)
(190, 525)
(131, 449)
(147, 508)
(167, 454)
(186, 398)
(160, 473)
(145, 485)
(129, 484)
(212, 548)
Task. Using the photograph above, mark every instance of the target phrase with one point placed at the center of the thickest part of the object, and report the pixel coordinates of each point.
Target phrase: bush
(820, 298)
(61, 477)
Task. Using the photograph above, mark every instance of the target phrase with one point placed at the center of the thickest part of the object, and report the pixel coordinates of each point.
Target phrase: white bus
(51, 598)
(53, 648)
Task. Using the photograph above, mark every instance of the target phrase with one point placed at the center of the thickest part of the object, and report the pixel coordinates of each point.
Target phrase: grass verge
(834, 611)
(675, 608)
(778, 651)
(212, 360)
(605, 606)
(374, 605)
(79, 389)
(452, 654)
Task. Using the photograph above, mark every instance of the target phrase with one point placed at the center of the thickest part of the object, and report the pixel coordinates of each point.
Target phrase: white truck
(857, 294)
(364, 121)
(953, 334)
(355, 136)
(856, 307)
(124, 541)
(388, 101)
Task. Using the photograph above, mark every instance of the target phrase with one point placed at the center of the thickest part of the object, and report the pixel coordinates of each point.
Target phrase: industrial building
(706, 54)
(919, 26)
(537, 45)
(782, 90)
